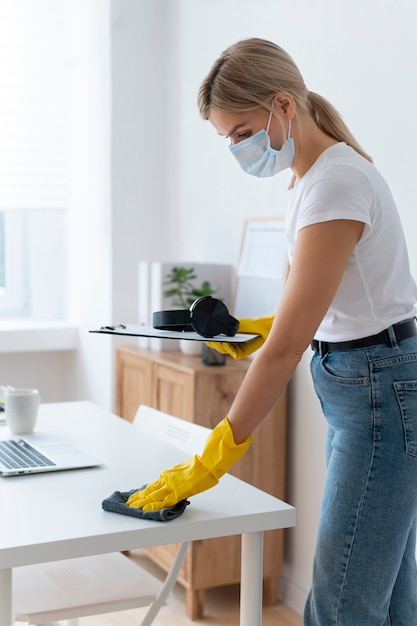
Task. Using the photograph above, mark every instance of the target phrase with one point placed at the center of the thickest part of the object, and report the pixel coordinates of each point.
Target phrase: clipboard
(141, 330)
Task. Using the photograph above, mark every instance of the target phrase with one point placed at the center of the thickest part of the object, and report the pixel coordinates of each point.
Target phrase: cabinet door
(133, 383)
(214, 391)
(172, 391)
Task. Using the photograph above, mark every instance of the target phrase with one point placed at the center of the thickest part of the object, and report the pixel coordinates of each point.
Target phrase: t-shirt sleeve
(341, 193)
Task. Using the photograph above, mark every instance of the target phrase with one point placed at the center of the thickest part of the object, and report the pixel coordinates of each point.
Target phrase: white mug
(21, 409)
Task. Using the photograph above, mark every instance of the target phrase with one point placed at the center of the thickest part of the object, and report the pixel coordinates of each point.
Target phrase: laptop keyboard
(20, 454)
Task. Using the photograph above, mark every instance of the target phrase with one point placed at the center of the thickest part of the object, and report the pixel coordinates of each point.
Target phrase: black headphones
(206, 316)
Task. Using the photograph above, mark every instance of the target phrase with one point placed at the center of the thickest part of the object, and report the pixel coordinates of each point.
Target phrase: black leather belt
(402, 330)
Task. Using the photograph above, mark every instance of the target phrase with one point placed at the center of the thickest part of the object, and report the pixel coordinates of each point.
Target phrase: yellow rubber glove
(195, 475)
(255, 326)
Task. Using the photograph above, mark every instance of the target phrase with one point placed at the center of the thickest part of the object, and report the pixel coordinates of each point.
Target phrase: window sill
(37, 336)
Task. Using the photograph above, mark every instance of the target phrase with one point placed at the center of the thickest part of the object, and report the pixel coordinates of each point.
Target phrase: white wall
(144, 152)
(176, 193)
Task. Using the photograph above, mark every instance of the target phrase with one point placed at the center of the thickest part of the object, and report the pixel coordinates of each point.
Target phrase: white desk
(50, 517)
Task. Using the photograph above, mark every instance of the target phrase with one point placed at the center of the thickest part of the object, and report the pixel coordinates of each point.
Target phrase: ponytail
(330, 122)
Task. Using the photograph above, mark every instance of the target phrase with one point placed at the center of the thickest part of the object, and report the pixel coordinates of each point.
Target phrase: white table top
(46, 517)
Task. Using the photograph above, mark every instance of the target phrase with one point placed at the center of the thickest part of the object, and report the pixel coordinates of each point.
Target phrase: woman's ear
(285, 104)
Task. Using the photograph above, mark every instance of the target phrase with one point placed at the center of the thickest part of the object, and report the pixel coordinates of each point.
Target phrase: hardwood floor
(221, 609)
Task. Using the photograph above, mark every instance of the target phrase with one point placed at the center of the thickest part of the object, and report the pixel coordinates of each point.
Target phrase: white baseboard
(292, 595)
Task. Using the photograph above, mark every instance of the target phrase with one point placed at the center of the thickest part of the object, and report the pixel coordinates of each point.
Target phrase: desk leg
(251, 579)
(5, 597)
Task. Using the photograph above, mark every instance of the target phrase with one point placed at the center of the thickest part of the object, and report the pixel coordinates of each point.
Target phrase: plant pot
(191, 347)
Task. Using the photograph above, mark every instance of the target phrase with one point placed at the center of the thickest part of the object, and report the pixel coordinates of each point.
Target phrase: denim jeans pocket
(406, 392)
(346, 368)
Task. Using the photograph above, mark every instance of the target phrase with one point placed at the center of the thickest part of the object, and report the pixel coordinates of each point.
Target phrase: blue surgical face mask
(256, 157)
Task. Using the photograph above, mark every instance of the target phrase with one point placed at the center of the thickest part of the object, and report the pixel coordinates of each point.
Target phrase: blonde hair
(251, 72)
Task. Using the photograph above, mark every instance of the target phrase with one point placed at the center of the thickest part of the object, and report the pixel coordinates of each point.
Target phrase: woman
(350, 294)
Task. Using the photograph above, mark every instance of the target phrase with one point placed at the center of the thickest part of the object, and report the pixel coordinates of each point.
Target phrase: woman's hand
(195, 475)
(253, 326)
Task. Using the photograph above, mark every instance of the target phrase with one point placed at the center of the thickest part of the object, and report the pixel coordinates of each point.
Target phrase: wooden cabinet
(179, 384)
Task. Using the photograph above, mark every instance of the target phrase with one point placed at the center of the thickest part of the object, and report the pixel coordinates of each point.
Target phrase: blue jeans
(364, 571)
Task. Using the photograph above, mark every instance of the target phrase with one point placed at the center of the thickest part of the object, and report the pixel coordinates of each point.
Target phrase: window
(33, 265)
(34, 140)
(12, 292)
(2, 254)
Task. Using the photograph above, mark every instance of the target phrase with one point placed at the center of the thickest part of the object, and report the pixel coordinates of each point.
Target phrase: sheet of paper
(141, 330)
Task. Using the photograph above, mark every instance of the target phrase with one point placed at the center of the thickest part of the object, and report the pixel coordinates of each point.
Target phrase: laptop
(41, 453)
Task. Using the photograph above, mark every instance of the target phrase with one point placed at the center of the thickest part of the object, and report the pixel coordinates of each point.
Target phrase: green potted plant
(181, 288)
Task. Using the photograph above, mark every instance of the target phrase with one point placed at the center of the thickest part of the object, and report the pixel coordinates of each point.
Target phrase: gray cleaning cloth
(117, 504)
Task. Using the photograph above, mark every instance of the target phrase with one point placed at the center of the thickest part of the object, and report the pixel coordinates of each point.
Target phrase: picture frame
(261, 268)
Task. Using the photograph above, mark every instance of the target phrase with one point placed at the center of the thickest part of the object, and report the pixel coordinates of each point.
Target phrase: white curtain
(33, 105)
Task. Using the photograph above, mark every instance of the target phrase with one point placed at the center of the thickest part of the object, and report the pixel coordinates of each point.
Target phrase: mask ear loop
(269, 122)
(270, 118)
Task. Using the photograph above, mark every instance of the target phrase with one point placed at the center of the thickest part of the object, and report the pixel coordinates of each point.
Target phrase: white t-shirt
(377, 288)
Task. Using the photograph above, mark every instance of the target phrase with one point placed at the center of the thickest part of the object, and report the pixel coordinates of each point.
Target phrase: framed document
(261, 267)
